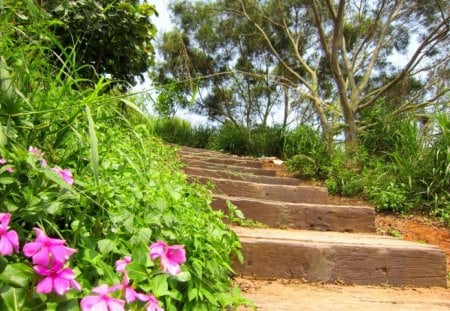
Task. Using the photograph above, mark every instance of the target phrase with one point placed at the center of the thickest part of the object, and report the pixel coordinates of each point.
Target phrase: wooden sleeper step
(339, 257)
(303, 216)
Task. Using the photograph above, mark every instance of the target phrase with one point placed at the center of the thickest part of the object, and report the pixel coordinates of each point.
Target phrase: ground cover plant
(94, 210)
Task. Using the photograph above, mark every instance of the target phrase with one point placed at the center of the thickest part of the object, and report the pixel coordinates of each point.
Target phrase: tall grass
(129, 190)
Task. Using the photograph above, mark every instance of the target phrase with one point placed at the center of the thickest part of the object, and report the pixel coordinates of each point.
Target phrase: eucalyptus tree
(223, 59)
(349, 44)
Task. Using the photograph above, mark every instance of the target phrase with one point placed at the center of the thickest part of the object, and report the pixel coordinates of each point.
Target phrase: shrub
(232, 139)
(173, 130)
(307, 153)
(128, 188)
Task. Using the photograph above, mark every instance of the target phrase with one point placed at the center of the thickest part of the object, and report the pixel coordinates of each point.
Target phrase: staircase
(306, 237)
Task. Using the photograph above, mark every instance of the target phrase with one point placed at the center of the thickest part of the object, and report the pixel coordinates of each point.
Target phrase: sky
(163, 23)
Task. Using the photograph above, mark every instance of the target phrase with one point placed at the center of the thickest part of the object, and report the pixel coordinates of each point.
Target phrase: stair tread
(239, 198)
(327, 237)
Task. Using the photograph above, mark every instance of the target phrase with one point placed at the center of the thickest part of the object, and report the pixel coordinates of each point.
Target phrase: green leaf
(159, 285)
(13, 298)
(94, 145)
(192, 293)
(209, 296)
(107, 271)
(17, 274)
(137, 271)
(133, 106)
(141, 255)
(183, 276)
(68, 305)
(106, 246)
(144, 235)
(6, 180)
(55, 208)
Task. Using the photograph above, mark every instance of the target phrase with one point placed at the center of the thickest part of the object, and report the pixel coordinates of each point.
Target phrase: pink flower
(57, 279)
(35, 150)
(65, 174)
(102, 302)
(9, 169)
(44, 249)
(9, 240)
(152, 303)
(130, 293)
(171, 256)
(122, 264)
(38, 154)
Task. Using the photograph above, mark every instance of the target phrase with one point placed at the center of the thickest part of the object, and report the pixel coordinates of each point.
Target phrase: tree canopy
(113, 38)
(338, 58)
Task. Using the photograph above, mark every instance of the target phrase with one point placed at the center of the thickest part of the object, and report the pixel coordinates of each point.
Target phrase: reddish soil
(416, 228)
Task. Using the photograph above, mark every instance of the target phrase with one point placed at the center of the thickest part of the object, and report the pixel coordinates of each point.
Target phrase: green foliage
(113, 38)
(408, 168)
(260, 141)
(129, 190)
(232, 139)
(307, 153)
(178, 131)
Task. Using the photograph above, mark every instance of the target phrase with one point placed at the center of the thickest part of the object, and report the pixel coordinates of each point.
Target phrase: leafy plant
(125, 189)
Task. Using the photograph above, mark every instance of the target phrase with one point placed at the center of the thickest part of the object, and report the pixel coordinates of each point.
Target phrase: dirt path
(288, 296)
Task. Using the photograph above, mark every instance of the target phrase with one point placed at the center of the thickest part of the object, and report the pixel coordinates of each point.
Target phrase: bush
(232, 139)
(173, 130)
(307, 153)
(128, 188)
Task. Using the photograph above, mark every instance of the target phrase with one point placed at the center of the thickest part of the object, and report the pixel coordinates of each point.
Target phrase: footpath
(311, 254)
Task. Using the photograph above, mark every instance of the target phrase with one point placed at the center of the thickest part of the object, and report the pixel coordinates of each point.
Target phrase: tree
(113, 38)
(224, 60)
(341, 57)
(350, 42)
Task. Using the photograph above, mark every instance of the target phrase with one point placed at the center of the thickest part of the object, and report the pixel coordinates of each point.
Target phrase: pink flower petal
(89, 302)
(61, 253)
(157, 249)
(5, 218)
(116, 304)
(31, 248)
(101, 290)
(169, 266)
(122, 264)
(6, 248)
(130, 294)
(45, 286)
(74, 284)
(153, 304)
(176, 254)
(61, 286)
(41, 270)
(13, 238)
(42, 257)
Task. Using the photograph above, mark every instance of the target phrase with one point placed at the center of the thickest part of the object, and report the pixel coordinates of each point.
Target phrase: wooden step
(339, 257)
(283, 193)
(303, 216)
(227, 161)
(233, 168)
(225, 174)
